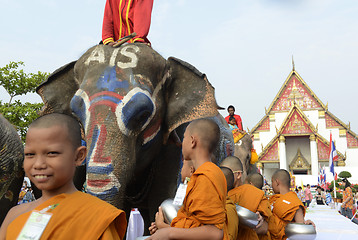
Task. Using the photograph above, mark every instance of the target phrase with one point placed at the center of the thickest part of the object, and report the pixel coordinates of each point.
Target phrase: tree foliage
(17, 83)
(344, 174)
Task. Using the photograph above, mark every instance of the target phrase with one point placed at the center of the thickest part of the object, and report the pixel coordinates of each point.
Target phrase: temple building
(295, 132)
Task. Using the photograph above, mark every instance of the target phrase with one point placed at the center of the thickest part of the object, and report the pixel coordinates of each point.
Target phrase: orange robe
(252, 198)
(232, 219)
(284, 208)
(205, 200)
(77, 216)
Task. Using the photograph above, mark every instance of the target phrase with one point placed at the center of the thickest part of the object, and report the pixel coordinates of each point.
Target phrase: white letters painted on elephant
(97, 55)
(134, 59)
(129, 51)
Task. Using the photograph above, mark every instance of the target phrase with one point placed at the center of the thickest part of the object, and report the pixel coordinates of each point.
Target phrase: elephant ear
(58, 89)
(189, 94)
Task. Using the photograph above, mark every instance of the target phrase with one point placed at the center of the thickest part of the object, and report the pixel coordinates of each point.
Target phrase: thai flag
(332, 155)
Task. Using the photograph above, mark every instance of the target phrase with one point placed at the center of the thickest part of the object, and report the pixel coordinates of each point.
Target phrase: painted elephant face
(118, 105)
(129, 100)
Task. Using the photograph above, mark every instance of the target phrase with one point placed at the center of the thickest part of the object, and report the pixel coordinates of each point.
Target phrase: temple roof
(294, 89)
(296, 123)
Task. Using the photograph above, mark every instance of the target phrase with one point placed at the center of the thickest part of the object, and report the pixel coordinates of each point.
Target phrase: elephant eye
(135, 111)
(80, 105)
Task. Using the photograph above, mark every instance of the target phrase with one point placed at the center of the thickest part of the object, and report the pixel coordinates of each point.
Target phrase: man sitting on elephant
(122, 18)
(231, 111)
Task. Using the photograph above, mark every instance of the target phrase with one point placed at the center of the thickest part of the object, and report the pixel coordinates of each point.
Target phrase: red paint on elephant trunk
(99, 152)
(98, 183)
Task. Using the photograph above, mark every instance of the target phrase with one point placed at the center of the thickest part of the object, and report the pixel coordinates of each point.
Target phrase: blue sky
(244, 46)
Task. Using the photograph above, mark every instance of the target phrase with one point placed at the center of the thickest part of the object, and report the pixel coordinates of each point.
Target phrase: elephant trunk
(109, 164)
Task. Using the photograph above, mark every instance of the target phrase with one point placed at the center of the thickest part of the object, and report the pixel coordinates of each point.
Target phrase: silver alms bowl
(300, 231)
(170, 210)
(246, 217)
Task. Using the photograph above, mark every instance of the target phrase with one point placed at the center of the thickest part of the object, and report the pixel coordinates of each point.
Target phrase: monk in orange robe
(250, 197)
(232, 217)
(286, 206)
(203, 214)
(52, 152)
(77, 216)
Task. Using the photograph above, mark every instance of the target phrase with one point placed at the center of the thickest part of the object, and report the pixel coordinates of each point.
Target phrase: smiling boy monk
(250, 197)
(203, 213)
(52, 152)
(286, 206)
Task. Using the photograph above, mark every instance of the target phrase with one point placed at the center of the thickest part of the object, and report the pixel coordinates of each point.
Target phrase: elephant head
(129, 101)
(11, 171)
(243, 152)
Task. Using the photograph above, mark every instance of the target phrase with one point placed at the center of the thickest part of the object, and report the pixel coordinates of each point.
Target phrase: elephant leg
(165, 180)
(147, 220)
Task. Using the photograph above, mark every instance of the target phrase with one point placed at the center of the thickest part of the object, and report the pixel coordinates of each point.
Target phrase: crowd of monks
(209, 203)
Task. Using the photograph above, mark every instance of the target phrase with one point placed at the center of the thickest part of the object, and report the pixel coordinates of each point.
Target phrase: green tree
(16, 83)
(344, 174)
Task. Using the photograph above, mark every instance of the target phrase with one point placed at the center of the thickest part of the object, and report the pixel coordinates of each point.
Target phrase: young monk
(248, 196)
(286, 206)
(186, 171)
(255, 179)
(52, 152)
(203, 213)
(232, 217)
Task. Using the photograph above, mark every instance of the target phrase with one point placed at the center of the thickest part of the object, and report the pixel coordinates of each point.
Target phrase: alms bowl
(170, 210)
(300, 231)
(246, 217)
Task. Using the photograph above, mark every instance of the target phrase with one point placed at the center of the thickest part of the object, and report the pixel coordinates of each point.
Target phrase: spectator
(347, 204)
(308, 195)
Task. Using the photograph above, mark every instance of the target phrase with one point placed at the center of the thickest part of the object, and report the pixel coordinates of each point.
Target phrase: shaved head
(283, 177)
(207, 131)
(229, 175)
(71, 125)
(256, 179)
(233, 163)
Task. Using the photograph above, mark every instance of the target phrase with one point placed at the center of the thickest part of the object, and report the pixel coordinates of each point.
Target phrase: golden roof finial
(293, 64)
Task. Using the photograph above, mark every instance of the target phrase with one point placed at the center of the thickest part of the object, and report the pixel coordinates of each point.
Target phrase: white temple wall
(352, 157)
(279, 118)
(312, 116)
(269, 171)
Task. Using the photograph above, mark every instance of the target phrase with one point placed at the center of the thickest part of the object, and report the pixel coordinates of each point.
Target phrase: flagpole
(334, 187)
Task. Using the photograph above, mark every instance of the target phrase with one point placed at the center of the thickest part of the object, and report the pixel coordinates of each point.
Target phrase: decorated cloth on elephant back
(76, 216)
(252, 198)
(205, 200)
(123, 17)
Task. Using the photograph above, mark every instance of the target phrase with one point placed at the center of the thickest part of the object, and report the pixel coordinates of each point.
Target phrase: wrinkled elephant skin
(11, 171)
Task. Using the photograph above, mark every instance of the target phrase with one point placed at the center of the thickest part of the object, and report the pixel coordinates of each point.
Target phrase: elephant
(11, 170)
(243, 152)
(133, 106)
